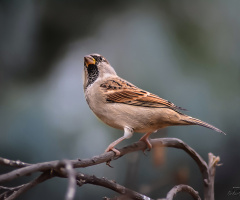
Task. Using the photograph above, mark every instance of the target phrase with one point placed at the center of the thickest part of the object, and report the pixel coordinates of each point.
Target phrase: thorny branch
(65, 169)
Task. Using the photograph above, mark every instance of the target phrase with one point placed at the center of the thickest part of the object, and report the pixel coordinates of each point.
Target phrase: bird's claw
(108, 164)
(147, 142)
(118, 153)
(144, 151)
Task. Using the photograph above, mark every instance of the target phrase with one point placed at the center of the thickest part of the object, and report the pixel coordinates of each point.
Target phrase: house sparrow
(122, 105)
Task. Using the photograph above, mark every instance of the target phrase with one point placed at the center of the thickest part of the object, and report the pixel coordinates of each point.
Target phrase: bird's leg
(146, 140)
(113, 144)
(128, 132)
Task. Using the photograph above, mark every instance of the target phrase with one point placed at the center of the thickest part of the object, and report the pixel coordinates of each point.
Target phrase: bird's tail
(193, 121)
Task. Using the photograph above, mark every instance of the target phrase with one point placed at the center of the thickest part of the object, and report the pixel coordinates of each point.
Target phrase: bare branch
(82, 179)
(13, 163)
(71, 180)
(65, 169)
(182, 188)
(9, 190)
(86, 179)
(28, 170)
(43, 177)
(105, 157)
(212, 164)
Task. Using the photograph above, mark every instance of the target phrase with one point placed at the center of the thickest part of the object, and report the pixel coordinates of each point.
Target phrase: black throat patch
(92, 74)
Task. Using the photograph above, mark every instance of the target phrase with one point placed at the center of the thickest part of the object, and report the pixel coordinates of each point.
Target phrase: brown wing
(121, 91)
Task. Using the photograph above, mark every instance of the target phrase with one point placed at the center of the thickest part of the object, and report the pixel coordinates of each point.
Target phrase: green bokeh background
(185, 51)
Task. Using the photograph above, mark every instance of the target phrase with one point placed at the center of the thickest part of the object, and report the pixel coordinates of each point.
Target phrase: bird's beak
(89, 60)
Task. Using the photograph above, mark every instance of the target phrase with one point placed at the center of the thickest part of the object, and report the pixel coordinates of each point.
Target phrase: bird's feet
(145, 139)
(113, 144)
(110, 148)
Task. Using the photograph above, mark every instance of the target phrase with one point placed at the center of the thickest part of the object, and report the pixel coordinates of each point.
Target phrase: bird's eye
(100, 58)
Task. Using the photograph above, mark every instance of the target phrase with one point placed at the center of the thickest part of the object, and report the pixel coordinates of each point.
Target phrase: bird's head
(95, 67)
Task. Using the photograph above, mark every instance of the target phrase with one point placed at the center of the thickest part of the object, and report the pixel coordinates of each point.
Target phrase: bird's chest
(95, 99)
(103, 110)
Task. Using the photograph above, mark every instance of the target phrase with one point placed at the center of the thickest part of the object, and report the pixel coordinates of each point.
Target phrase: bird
(124, 106)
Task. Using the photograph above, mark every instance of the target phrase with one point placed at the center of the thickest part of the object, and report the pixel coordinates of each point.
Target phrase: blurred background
(185, 51)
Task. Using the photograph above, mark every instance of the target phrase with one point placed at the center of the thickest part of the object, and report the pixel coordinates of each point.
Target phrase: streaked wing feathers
(121, 91)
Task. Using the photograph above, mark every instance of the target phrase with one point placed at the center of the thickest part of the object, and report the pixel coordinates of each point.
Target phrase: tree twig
(71, 190)
(182, 188)
(43, 177)
(87, 179)
(9, 190)
(212, 164)
(13, 163)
